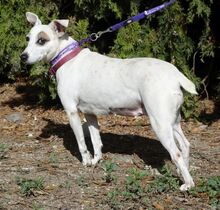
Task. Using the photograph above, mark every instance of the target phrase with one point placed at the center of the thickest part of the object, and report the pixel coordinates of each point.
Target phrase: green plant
(165, 182)
(209, 187)
(67, 184)
(190, 108)
(81, 181)
(133, 187)
(38, 207)
(109, 167)
(3, 150)
(53, 158)
(27, 186)
(112, 199)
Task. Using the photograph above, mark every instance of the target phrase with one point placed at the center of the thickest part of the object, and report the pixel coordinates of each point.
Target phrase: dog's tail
(187, 85)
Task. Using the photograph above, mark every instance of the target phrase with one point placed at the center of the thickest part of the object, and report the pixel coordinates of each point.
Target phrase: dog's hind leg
(182, 140)
(164, 133)
(162, 111)
(95, 137)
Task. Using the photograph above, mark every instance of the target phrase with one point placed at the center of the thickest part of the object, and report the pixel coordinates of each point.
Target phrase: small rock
(153, 171)
(30, 135)
(27, 169)
(124, 159)
(16, 117)
(203, 127)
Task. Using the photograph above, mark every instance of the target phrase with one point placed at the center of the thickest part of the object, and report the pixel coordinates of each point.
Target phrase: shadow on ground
(149, 150)
(28, 96)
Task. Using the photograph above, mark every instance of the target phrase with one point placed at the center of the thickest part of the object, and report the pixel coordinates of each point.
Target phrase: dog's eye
(27, 38)
(41, 41)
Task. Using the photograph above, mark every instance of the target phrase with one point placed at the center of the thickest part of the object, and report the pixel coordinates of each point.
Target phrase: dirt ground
(40, 143)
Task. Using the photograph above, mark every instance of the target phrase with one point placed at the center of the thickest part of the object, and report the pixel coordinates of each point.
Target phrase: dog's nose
(24, 57)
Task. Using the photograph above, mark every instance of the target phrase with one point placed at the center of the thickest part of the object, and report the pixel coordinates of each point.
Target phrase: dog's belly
(97, 109)
(136, 111)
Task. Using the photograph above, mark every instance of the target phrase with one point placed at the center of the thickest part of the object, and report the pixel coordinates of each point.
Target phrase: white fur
(96, 84)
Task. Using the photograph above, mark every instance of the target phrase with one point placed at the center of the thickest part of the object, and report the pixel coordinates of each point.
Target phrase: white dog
(97, 85)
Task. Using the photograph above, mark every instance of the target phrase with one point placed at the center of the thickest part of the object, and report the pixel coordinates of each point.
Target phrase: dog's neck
(63, 42)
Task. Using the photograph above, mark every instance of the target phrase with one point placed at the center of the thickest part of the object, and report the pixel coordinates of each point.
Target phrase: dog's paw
(96, 159)
(186, 187)
(87, 160)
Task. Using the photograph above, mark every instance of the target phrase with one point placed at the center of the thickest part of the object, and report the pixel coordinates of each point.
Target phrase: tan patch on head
(43, 35)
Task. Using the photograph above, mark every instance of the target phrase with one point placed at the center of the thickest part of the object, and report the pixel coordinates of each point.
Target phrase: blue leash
(94, 36)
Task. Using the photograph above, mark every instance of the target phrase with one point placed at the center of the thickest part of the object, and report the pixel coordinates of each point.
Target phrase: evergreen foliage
(13, 30)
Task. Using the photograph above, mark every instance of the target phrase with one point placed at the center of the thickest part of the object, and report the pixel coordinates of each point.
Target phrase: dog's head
(43, 40)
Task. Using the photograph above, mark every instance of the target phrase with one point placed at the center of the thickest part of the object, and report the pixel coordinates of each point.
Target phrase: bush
(13, 29)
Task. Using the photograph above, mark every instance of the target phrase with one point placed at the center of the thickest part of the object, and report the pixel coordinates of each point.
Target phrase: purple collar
(69, 47)
(64, 55)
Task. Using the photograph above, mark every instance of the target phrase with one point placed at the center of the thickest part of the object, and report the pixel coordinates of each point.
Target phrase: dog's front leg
(95, 137)
(75, 124)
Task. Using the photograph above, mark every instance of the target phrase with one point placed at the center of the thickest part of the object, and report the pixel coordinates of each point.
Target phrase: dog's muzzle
(24, 57)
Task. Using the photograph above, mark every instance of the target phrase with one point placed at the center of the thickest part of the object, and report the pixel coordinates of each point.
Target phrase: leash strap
(140, 16)
(94, 36)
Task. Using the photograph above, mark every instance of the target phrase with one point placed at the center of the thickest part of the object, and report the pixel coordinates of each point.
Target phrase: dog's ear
(59, 26)
(33, 19)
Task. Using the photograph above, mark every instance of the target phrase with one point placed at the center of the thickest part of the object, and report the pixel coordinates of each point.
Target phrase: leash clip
(95, 36)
